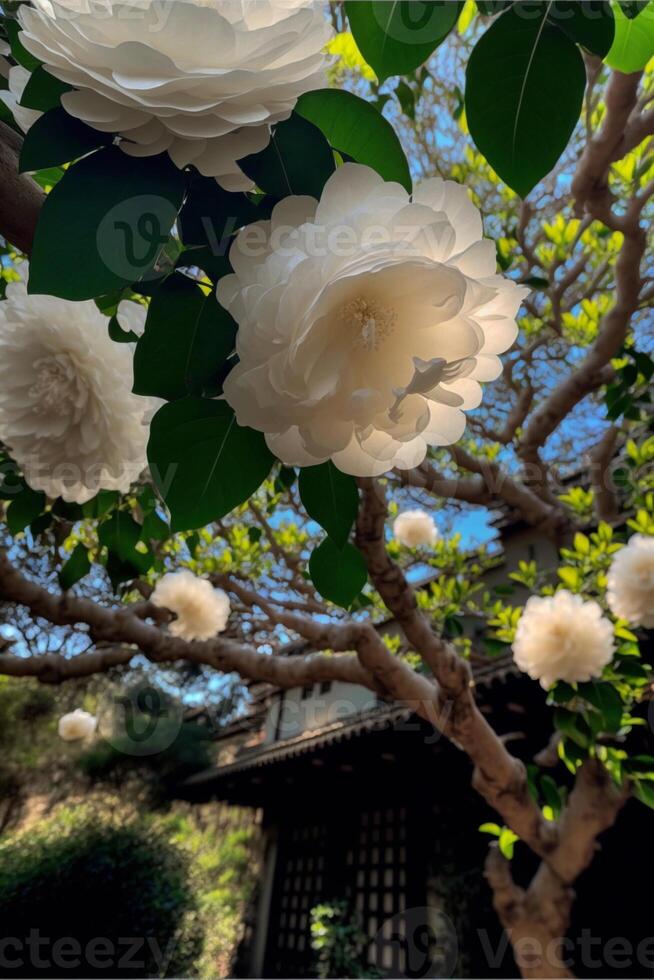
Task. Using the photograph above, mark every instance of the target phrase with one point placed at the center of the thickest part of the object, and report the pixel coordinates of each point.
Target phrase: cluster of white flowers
(630, 588)
(414, 528)
(203, 80)
(563, 638)
(77, 725)
(366, 322)
(67, 412)
(201, 610)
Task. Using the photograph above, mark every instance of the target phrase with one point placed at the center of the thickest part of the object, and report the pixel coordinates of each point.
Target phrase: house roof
(381, 716)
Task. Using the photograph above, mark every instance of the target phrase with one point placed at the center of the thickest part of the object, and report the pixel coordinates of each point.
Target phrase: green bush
(81, 897)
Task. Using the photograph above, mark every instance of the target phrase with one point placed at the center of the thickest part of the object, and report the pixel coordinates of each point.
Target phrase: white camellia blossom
(630, 588)
(563, 638)
(203, 80)
(67, 413)
(366, 322)
(77, 725)
(18, 78)
(201, 610)
(413, 528)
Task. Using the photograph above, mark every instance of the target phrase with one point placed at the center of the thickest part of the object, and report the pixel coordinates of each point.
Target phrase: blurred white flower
(630, 589)
(366, 322)
(201, 610)
(18, 78)
(76, 725)
(67, 413)
(562, 638)
(201, 79)
(413, 528)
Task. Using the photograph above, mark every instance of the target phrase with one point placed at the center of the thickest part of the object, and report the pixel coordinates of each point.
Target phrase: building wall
(304, 709)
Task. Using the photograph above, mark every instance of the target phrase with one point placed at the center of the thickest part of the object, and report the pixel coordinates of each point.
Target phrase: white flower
(414, 528)
(630, 589)
(201, 79)
(562, 638)
(67, 413)
(201, 610)
(365, 322)
(76, 725)
(18, 78)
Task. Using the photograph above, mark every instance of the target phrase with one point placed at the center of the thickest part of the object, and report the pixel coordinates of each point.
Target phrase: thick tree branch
(21, 198)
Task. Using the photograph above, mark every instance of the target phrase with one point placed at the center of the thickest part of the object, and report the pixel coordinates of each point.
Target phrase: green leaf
(570, 577)
(298, 160)
(606, 699)
(339, 574)
(572, 725)
(491, 828)
(154, 528)
(561, 693)
(77, 566)
(203, 463)
(331, 498)
(355, 128)
(634, 40)
(187, 339)
(58, 138)
(632, 8)
(491, 7)
(587, 22)
(507, 842)
(118, 335)
(524, 89)
(120, 534)
(43, 91)
(104, 224)
(24, 509)
(18, 52)
(551, 793)
(644, 792)
(397, 37)
(211, 215)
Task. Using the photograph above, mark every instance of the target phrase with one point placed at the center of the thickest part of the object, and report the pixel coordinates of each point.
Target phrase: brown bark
(21, 198)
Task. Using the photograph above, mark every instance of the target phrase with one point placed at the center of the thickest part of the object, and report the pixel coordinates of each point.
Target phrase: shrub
(82, 897)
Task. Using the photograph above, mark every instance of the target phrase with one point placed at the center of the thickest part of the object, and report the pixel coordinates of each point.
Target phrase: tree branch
(21, 198)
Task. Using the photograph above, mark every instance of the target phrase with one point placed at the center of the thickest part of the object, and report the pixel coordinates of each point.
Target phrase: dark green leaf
(58, 138)
(210, 215)
(297, 160)
(491, 7)
(561, 693)
(203, 462)
(120, 534)
(24, 509)
(606, 699)
(397, 37)
(572, 725)
(331, 498)
(524, 89)
(339, 574)
(587, 22)
(104, 224)
(101, 504)
(632, 8)
(355, 128)
(154, 528)
(19, 53)
(120, 336)
(644, 792)
(43, 91)
(77, 566)
(187, 338)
